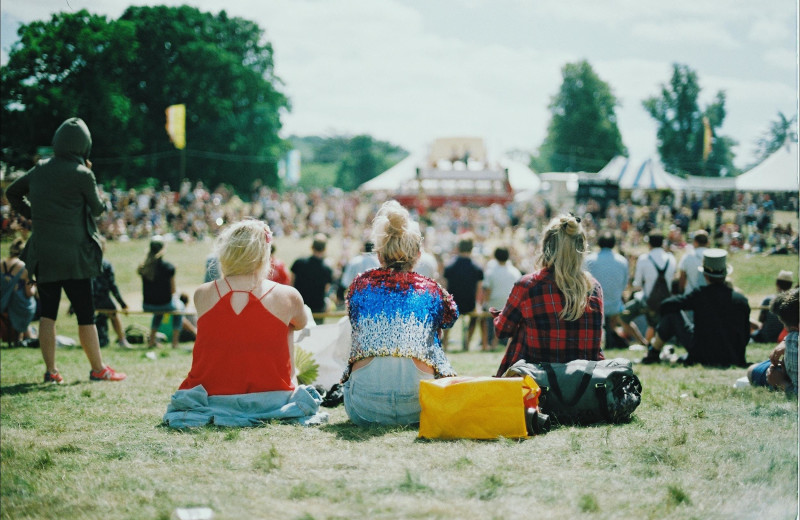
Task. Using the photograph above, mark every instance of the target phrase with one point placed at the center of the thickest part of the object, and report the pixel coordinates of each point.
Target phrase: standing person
(104, 287)
(64, 250)
(18, 292)
(312, 276)
(427, 265)
(360, 263)
(396, 316)
(610, 269)
(645, 275)
(158, 291)
(497, 285)
(554, 314)
(721, 328)
(278, 271)
(689, 278)
(244, 351)
(463, 279)
(769, 326)
(780, 370)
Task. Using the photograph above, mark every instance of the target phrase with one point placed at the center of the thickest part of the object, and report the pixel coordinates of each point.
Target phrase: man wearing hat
(721, 328)
(768, 327)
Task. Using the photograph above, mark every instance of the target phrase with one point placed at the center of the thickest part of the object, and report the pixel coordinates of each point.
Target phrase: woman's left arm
(91, 194)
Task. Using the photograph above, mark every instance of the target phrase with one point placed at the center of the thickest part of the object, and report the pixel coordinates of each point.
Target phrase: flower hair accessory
(267, 235)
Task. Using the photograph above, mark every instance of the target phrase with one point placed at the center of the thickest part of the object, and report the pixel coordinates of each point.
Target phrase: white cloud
(409, 75)
(783, 59)
(686, 33)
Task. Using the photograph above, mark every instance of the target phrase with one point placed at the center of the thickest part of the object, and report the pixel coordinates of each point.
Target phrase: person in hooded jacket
(60, 196)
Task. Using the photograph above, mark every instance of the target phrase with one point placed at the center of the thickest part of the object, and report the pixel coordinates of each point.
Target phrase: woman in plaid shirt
(554, 314)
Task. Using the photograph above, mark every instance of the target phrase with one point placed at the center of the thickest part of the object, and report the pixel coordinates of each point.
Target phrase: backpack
(660, 291)
(583, 391)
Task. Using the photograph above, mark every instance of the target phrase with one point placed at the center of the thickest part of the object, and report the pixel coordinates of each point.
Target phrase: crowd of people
(417, 273)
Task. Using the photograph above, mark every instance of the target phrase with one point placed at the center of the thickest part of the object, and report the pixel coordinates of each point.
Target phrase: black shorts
(79, 293)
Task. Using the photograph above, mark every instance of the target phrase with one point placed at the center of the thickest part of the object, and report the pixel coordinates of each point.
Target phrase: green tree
(68, 66)
(780, 130)
(120, 76)
(365, 158)
(583, 133)
(223, 71)
(682, 134)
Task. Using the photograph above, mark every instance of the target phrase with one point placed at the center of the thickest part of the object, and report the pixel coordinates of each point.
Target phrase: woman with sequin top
(554, 314)
(397, 317)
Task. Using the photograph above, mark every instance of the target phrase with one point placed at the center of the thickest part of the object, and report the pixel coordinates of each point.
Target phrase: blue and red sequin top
(398, 313)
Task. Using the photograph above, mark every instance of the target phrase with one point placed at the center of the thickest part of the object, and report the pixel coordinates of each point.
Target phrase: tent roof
(395, 176)
(633, 174)
(519, 175)
(778, 172)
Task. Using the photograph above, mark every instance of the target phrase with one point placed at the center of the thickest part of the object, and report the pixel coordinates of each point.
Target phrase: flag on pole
(707, 136)
(176, 125)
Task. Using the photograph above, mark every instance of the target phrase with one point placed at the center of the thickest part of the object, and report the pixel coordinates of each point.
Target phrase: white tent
(778, 172)
(395, 178)
(643, 175)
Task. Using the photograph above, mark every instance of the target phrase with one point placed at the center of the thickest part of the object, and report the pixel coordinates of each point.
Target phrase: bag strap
(658, 270)
(602, 397)
(584, 384)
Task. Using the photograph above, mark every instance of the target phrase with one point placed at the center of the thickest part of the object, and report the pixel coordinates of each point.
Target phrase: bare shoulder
(205, 297)
(285, 302)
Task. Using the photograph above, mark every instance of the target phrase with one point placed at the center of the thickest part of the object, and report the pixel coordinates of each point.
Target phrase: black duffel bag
(582, 391)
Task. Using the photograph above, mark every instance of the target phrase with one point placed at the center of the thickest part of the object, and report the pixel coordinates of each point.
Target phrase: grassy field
(696, 447)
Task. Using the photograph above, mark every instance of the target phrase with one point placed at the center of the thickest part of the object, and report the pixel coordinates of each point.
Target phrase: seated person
(769, 327)
(158, 290)
(17, 293)
(243, 359)
(780, 370)
(554, 314)
(719, 332)
(397, 316)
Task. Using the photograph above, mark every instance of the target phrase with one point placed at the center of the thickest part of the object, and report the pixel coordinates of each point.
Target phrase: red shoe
(54, 378)
(107, 374)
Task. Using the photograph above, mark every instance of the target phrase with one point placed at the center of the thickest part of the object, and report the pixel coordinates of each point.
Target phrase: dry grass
(696, 447)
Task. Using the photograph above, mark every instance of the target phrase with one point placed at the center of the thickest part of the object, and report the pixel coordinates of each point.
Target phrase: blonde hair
(397, 238)
(244, 248)
(147, 270)
(563, 249)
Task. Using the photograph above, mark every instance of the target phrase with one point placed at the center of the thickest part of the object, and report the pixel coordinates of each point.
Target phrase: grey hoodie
(60, 196)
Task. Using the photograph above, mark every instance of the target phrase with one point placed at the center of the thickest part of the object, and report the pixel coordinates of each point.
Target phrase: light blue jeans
(385, 391)
(175, 305)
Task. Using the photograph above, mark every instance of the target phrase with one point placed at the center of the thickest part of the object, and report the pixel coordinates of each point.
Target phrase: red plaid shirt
(531, 319)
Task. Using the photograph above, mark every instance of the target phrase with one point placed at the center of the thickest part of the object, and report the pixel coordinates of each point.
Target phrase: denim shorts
(384, 391)
(175, 305)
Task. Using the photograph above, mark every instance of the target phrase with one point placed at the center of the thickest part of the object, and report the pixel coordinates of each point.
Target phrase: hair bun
(570, 225)
(396, 225)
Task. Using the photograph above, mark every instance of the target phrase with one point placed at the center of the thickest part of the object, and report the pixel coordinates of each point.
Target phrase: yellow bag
(476, 407)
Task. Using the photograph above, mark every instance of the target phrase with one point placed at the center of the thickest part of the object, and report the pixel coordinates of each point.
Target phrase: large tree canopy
(583, 133)
(121, 75)
(687, 136)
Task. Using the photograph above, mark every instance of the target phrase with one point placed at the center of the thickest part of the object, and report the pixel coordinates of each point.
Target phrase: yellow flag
(706, 138)
(176, 125)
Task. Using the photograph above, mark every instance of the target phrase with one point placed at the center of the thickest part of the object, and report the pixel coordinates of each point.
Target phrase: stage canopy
(631, 174)
(520, 176)
(778, 172)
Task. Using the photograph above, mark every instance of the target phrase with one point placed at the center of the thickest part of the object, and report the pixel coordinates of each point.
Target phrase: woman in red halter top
(245, 322)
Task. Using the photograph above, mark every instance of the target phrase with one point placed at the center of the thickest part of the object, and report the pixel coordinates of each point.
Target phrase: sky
(411, 71)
